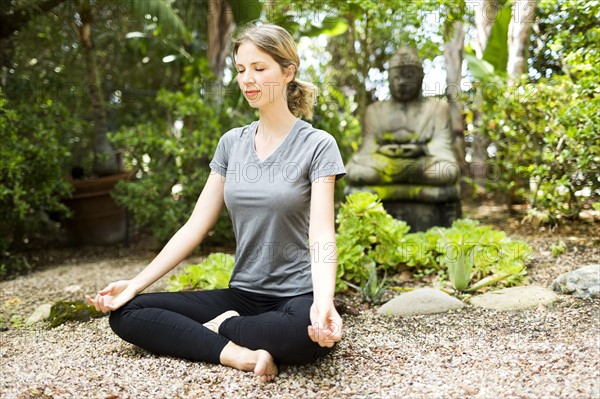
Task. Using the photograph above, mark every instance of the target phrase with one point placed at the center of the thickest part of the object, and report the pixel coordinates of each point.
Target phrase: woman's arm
(205, 215)
(203, 218)
(327, 323)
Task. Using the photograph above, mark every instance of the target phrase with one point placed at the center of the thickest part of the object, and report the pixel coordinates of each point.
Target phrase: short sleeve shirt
(269, 204)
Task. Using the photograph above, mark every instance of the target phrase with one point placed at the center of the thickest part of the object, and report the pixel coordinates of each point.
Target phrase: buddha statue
(407, 154)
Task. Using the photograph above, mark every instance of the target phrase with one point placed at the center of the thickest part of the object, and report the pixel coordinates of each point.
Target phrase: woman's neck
(275, 125)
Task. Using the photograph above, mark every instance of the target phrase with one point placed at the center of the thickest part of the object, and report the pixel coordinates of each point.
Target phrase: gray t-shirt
(269, 205)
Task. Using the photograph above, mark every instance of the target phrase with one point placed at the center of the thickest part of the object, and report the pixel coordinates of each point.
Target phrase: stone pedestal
(423, 216)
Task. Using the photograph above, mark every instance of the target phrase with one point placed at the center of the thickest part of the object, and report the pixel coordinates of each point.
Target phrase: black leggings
(171, 323)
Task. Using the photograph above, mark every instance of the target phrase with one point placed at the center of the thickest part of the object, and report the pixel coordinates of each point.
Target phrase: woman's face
(260, 78)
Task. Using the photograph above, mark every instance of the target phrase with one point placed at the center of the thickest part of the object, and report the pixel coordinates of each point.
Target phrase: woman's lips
(252, 93)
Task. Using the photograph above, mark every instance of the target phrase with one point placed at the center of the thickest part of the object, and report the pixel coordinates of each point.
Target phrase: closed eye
(256, 69)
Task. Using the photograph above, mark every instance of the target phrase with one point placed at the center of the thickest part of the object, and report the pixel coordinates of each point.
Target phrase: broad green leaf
(330, 26)
(480, 69)
(167, 16)
(496, 50)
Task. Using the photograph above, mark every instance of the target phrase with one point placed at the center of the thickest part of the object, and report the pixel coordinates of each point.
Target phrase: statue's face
(406, 82)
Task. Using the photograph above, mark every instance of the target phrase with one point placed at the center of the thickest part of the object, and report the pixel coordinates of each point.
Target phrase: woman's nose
(247, 78)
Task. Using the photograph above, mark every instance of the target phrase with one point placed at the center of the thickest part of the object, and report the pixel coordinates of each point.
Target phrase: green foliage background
(543, 127)
(165, 158)
(31, 181)
(545, 137)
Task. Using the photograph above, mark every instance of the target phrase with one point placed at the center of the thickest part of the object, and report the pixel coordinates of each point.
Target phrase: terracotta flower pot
(97, 219)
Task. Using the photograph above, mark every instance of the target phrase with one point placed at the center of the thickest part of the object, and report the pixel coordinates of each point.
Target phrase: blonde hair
(279, 44)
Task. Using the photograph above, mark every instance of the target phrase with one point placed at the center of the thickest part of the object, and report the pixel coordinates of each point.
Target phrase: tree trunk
(453, 58)
(485, 16)
(105, 158)
(220, 32)
(523, 14)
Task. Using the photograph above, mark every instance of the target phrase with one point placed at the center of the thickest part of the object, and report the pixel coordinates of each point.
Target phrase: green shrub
(545, 143)
(213, 273)
(366, 235)
(476, 256)
(32, 179)
(419, 249)
(373, 288)
(371, 244)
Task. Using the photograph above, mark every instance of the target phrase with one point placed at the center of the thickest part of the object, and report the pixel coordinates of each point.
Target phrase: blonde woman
(276, 176)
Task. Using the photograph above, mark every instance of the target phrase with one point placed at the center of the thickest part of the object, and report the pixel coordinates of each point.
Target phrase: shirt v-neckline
(276, 150)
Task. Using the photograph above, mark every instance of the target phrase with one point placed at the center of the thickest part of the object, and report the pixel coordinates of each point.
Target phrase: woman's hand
(113, 296)
(326, 327)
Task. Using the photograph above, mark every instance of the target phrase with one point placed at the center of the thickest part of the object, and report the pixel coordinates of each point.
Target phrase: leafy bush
(478, 256)
(213, 273)
(545, 136)
(172, 165)
(467, 252)
(371, 243)
(32, 180)
(367, 235)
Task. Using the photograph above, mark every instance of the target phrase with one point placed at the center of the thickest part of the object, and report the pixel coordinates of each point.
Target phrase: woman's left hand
(326, 327)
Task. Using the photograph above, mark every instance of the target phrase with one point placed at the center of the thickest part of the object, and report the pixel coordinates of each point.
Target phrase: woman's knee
(296, 347)
(115, 320)
(301, 351)
(298, 309)
(118, 318)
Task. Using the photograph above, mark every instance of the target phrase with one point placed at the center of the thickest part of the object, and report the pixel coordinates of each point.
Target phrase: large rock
(515, 298)
(420, 301)
(583, 282)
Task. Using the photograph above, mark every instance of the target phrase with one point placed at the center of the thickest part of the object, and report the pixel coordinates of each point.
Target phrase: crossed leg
(206, 326)
(233, 355)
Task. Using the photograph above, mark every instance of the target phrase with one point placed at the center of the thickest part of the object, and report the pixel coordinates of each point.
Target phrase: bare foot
(260, 361)
(215, 323)
(265, 366)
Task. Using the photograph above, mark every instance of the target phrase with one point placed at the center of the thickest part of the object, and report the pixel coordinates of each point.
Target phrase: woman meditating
(276, 176)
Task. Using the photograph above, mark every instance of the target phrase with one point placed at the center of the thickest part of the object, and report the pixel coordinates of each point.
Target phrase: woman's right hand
(113, 296)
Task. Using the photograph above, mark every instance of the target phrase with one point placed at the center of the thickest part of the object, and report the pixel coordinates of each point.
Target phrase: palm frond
(168, 19)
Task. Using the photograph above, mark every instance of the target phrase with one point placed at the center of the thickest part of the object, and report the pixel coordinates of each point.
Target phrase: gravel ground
(547, 352)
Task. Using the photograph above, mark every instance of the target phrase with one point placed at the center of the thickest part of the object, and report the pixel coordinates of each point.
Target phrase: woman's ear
(290, 72)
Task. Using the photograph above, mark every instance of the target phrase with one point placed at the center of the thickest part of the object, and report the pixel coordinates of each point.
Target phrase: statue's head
(406, 74)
